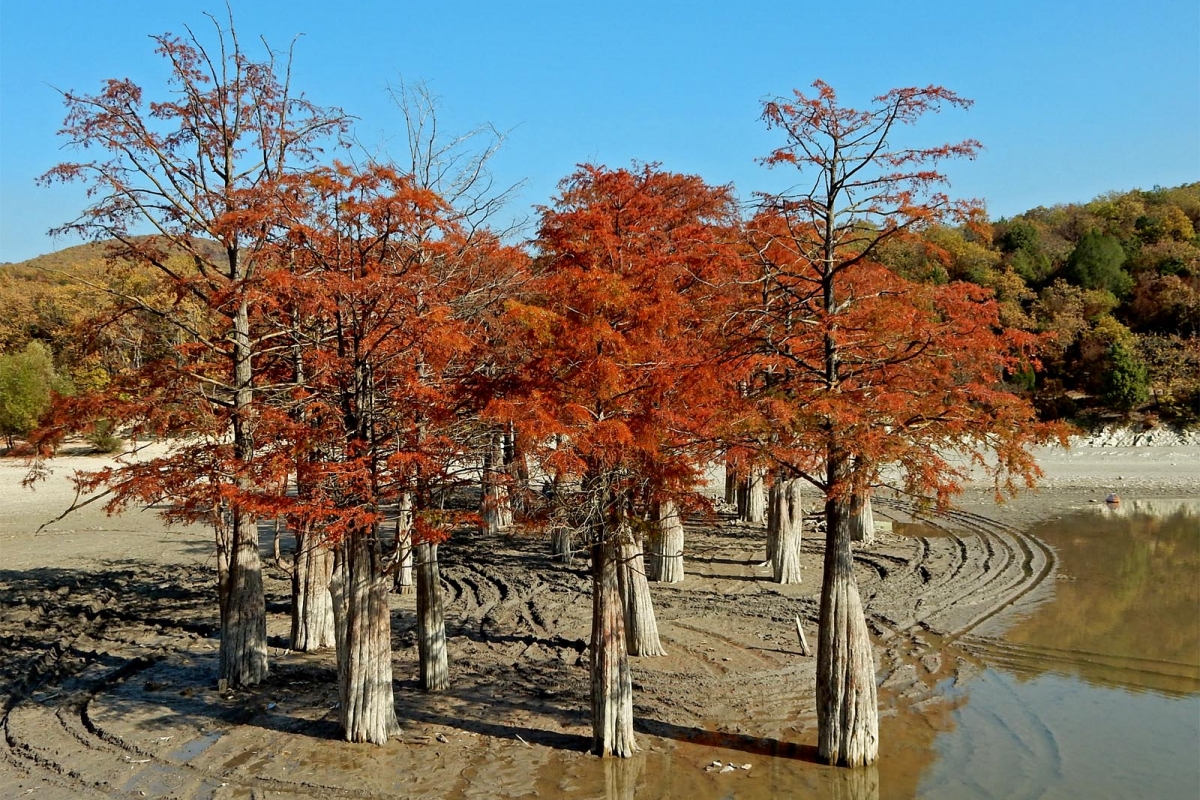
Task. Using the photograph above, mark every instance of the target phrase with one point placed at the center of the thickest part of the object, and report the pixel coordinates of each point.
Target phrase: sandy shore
(107, 626)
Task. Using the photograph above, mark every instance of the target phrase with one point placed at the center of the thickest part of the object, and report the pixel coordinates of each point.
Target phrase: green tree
(1096, 263)
(1127, 384)
(27, 381)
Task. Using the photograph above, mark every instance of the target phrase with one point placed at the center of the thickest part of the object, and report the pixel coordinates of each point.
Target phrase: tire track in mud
(523, 609)
(50, 737)
(1015, 565)
(933, 644)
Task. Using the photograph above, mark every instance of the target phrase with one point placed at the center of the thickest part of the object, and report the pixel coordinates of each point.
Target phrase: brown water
(1096, 692)
(1092, 693)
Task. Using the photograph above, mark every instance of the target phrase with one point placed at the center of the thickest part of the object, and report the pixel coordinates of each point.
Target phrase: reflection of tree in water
(856, 784)
(1128, 592)
(621, 777)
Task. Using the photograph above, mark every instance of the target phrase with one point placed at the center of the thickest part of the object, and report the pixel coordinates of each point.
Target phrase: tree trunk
(789, 522)
(495, 507)
(773, 502)
(561, 546)
(847, 710)
(516, 466)
(731, 484)
(243, 656)
(754, 509)
(364, 641)
(403, 546)
(862, 519)
(431, 621)
(666, 561)
(641, 627)
(312, 605)
(612, 681)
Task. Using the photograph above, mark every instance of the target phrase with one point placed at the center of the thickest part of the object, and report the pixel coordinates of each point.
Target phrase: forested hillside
(1117, 283)
(63, 329)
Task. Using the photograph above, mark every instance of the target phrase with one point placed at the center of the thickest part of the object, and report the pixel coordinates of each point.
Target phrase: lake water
(1089, 689)
(1095, 693)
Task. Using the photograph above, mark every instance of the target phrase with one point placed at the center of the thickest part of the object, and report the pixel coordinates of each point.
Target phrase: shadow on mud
(754, 745)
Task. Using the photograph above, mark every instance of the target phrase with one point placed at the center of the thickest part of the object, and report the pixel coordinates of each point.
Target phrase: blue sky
(1071, 99)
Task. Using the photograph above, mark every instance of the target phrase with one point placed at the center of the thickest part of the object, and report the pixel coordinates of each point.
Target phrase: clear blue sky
(1072, 99)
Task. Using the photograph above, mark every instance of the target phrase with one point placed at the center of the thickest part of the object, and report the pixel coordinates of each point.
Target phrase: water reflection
(1126, 607)
(1095, 693)
(621, 777)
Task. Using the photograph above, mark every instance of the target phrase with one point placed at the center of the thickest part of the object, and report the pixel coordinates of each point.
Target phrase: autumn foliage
(346, 345)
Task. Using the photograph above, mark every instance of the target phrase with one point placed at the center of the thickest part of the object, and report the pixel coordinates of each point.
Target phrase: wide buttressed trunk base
(666, 560)
(431, 621)
(641, 626)
(243, 655)
(312, 605)
(847, 707)
(612, 681)
(364, 641)
(787, 516)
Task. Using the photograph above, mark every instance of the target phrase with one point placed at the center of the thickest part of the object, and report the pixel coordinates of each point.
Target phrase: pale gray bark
(862, 519)
(243, 609)
(403, 546)
(847, 707)
(516, 465)
(312, 605)
(495, 506)
(754, 507)
(666, 559)
(611, 679)
(431, 621)
(561, 543)
(641, 626)
(788, 517)
(243, 605)
(367, 708)
(773, 501)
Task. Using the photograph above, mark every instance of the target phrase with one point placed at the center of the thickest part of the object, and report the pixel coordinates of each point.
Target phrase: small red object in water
(1112, 499)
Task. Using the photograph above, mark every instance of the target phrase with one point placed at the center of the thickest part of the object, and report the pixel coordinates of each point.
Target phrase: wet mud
(107, 672)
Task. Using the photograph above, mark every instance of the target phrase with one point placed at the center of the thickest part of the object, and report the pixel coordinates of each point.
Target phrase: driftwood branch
(804, 648)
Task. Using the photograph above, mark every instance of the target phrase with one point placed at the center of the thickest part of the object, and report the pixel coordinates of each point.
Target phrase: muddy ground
(108, 650)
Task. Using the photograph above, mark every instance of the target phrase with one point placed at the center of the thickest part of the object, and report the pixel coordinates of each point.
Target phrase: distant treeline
(1115, 280)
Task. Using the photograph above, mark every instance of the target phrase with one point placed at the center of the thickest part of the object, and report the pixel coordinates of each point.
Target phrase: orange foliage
(614, 340)
(854, 367)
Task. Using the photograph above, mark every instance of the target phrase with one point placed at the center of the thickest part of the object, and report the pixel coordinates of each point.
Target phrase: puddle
(189, 751)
